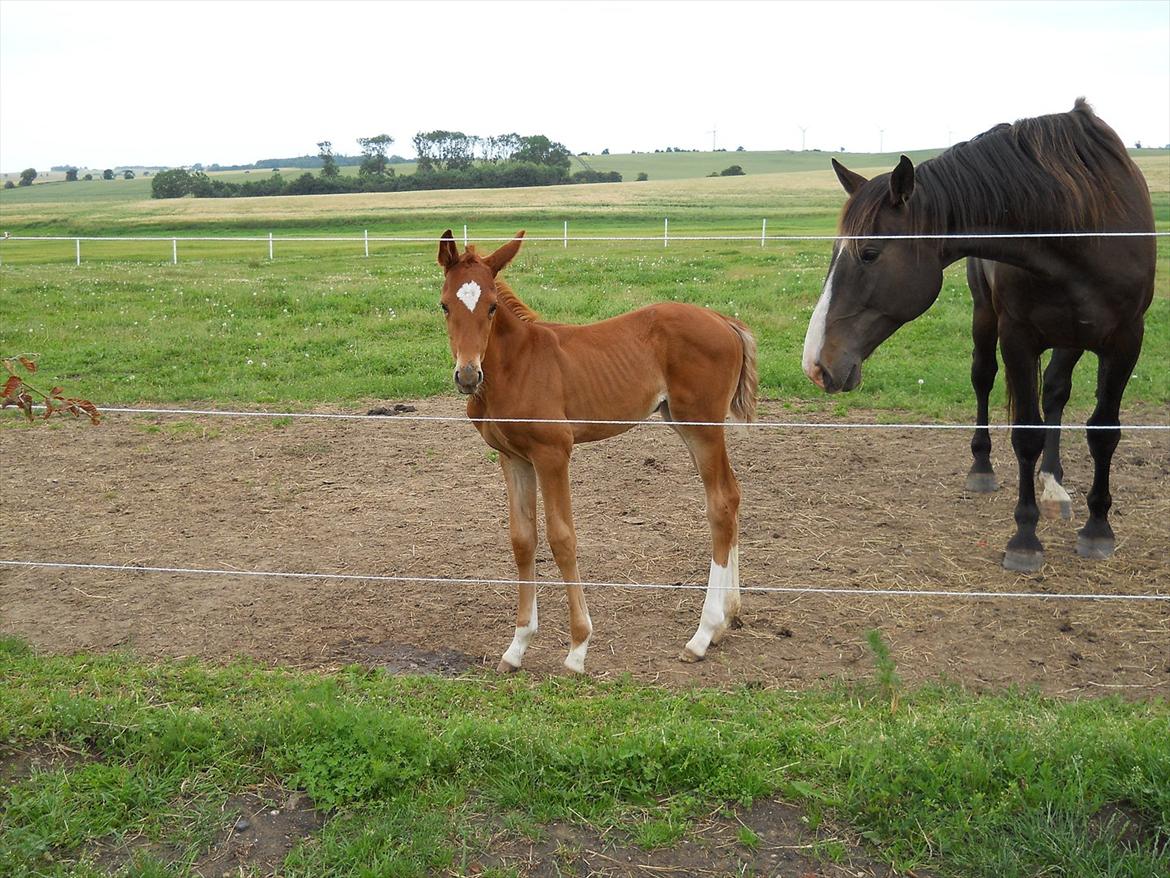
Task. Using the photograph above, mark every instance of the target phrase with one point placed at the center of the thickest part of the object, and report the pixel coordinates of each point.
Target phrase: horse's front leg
(520, 478)
(552, 472)
(984, 366)
(1024, 553)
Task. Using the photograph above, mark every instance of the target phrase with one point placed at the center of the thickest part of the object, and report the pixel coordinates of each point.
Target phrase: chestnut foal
(688, 363)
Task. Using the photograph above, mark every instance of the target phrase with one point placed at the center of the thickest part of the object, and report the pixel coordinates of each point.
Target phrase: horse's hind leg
(1095, 539)
(984, 366)
(520, 478)
(1054, 499)
(721, 604)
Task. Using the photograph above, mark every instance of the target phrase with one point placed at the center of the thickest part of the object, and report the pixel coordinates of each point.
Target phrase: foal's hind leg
(721, 604)
(520, 478)
(1054, 499)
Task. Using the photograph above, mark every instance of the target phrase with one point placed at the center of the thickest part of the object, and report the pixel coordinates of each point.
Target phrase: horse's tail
(743, 403)
(1012, 401)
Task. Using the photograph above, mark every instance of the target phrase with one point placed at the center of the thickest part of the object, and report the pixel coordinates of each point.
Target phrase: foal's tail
(743, 404)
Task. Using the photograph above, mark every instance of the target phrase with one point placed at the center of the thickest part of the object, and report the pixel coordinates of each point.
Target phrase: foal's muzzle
(468, 378)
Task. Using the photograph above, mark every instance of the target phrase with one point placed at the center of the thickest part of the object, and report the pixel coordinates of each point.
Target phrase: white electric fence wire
(437, 580)
(795, 425)
(430, 239)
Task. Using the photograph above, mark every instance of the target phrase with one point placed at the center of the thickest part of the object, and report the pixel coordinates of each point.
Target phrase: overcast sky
(101, 84)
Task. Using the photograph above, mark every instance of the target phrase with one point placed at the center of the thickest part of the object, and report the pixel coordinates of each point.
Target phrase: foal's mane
(504, 293)
(1051, 173)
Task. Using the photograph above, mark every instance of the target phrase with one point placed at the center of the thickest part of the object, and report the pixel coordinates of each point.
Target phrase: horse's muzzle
(825, 379)
(468, 378)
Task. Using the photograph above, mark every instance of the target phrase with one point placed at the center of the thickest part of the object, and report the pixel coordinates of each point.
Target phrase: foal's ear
(850, 181)
(448, 252)
(500, 258)
(902, 182)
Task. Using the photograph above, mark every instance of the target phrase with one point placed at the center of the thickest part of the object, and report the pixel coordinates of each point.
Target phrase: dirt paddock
(841, 508)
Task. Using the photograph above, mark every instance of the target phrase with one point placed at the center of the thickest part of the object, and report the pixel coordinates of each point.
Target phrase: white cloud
(104, 83)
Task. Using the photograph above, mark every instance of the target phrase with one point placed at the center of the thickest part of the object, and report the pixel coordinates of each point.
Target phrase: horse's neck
(509, 334)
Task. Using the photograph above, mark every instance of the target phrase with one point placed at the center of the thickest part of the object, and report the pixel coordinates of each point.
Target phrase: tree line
(446, 160)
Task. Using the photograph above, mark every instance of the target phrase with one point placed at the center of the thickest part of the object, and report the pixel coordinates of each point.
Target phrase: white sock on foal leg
(722, 590)
(575, 660)
(514, 656)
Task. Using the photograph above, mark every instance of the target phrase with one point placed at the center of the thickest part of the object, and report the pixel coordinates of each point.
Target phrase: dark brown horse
(1067, 172)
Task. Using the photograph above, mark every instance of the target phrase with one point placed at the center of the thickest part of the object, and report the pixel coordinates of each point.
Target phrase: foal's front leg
(520, 478)
(552, 470)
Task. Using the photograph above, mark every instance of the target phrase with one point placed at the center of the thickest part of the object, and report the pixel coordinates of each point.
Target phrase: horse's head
(469, 303)
(873, 286)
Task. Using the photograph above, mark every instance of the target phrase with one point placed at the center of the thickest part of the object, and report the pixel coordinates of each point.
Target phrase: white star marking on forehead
(468, 294)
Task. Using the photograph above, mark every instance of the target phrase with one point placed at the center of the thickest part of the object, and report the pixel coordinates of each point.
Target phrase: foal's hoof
(1097, 548)
(982, 483)
(1053, 509)
(506, 668)
(689, 657)
(1023, 560)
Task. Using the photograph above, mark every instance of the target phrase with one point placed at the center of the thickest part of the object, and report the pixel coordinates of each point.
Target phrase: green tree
(374, 160)
(87, 177)
(174, 183)
(8, 184)
(539, 150)
(329, 169)
(71, 175)
(27, 176)
(128, 174)
(108, 174)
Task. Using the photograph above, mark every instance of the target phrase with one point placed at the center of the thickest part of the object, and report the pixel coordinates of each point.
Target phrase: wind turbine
(713, 132)
(803, 128)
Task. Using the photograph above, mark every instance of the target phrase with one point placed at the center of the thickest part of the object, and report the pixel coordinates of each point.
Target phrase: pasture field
(132, 738)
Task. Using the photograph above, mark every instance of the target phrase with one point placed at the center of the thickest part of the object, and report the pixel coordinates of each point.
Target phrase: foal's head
(469, 302)
(874, 284)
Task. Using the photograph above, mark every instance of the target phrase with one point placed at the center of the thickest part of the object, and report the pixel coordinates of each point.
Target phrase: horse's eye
(444, 307)
(491, 310)
(870, 255)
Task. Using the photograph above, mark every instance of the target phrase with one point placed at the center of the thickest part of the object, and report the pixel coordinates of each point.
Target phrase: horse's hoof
(982, 483)
(505, 667)
(689, 657)
(1053, 509)
(1096, 548)
(1023, 560)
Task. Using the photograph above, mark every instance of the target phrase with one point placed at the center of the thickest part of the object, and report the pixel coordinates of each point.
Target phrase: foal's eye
(491, 310)
(870, 255)
(444, 307)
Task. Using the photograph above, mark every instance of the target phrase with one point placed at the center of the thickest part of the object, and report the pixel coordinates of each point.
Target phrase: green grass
(1003, 785)
(322, 327)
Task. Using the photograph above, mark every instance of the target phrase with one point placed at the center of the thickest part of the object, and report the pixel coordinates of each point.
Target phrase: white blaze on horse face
(814, 339)
(468, 294)
(520, 640)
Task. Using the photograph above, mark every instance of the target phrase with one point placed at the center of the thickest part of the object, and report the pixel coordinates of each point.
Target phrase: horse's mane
(1051, 173)
(504, 293)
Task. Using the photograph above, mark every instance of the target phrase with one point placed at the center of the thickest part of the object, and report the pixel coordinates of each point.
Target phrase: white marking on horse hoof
(506, 667)
(468, 294)
(689, 657)
(575, 660)
(1054, 499)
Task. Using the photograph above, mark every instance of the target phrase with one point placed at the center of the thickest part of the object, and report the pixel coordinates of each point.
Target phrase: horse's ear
(850, 181)
(902, 182)
(448, 252)
(500, 258)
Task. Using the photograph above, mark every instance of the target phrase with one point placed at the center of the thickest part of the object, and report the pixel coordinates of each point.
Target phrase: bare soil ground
(841, 508)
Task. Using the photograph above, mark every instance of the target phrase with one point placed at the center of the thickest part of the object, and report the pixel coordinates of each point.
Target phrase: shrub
(27, 176)
(642, 177)
(733, 171)
(174, 183)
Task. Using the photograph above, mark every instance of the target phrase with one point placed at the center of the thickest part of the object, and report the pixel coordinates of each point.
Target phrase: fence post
(78, 242)
(764, 232)
(367, 236)
(665, 231)
(270, 245)
(566, 234)
(174, 251)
